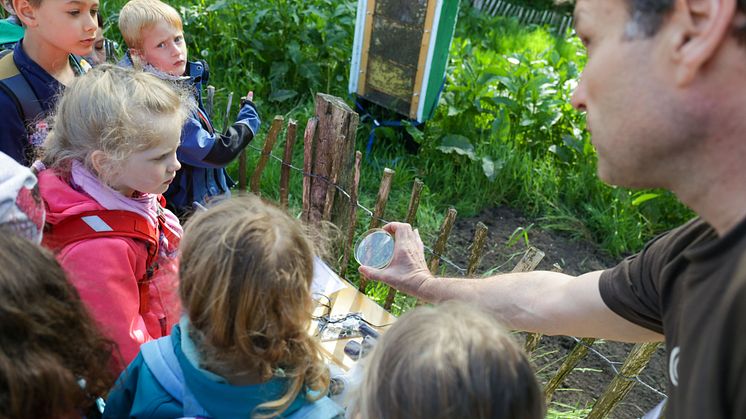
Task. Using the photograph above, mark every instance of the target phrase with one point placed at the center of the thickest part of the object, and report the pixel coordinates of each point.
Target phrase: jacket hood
(223, 400)
(61, 199)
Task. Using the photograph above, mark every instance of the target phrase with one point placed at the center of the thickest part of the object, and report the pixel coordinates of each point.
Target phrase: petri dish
(375, 249)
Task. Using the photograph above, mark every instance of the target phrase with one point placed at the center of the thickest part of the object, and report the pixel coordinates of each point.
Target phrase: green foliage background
(504, 132)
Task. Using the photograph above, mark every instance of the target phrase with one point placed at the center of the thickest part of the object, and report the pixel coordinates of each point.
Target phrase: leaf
(644, 197)
(415, 133)
(216, 6)
(490, 168)
(454, 143)
(282, 95)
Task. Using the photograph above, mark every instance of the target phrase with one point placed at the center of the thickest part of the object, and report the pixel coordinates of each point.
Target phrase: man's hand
(408, 269)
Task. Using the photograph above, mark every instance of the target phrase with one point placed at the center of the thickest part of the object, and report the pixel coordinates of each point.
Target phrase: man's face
(68, 26)
(627, 94)
(164, 48)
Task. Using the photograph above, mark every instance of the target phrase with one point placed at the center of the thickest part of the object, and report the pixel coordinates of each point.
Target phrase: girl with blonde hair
(243, 348)
(450, 361)
(111, 154)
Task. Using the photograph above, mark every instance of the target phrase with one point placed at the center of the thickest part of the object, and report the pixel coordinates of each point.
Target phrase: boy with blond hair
(153, 32)
(42, 63)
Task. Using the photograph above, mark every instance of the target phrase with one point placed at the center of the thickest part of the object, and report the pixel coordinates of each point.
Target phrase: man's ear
(100, 161)
(26, 13)
(703, 26)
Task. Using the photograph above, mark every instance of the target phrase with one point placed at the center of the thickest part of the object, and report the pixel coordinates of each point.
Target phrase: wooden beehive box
(400, 53)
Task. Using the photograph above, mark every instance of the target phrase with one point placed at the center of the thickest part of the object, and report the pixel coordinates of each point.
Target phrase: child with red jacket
(111, 154)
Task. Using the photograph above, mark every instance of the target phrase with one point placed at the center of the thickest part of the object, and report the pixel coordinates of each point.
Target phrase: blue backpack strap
(160, 358)
(18, 89)
(323, 408)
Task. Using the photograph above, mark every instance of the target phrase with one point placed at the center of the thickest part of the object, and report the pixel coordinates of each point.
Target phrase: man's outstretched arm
(546, 302)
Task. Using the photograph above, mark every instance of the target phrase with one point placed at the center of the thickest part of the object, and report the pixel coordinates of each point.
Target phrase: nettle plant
(518, 98)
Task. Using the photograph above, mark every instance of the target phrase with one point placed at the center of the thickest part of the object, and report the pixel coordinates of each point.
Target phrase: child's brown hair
(450, 361)
(49, 344)
(246, 270)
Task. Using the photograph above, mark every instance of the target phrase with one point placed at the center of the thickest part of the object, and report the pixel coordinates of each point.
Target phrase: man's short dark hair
(647, 16)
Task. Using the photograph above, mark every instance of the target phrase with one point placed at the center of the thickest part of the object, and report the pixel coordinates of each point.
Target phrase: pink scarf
(146, 205)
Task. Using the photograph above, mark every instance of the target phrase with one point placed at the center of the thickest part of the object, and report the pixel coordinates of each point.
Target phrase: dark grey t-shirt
(690, 285)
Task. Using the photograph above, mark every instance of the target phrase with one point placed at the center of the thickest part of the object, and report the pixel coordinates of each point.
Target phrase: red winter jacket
(106, 270)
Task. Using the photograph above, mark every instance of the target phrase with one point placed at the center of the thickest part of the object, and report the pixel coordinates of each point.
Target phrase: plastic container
(375, 249)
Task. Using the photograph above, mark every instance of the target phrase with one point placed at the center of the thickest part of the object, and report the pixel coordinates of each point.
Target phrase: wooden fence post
(287, 160)
(352, 223)
(269, 143)
(332, 187)
(477, 245)
(381, 199)
(621, 384)
(337, 124)
(440, 243)
(578, 352)
(414, 204)
(308, 137)
(210, 100)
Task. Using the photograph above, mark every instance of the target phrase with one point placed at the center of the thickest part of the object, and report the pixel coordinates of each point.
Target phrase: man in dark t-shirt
(665, 96)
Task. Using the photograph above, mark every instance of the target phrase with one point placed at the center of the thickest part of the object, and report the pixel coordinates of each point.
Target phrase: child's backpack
(112, 223)
(18, 89)
(160, 358)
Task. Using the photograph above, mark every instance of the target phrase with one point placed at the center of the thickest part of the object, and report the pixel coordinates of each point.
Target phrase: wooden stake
(440, 243)
(414, 204)
(477, 245)
(226, 117)
(414, 201)
(578, 352)
(382, 198)
(621, 384)
(210, 101)
(352, 216)
(269, 143)
(331, 187)
(308, 136)
(287, 160)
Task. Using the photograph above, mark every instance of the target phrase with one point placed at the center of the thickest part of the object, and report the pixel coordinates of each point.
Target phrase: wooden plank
(427, 37)
(308, 137)
(269, 143)
(369, 16)
(345, 301)
(287, 160)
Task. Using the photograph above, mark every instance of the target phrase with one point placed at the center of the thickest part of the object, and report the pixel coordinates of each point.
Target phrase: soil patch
(591, 377)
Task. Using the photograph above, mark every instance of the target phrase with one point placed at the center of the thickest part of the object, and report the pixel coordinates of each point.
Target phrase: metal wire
(460, 270)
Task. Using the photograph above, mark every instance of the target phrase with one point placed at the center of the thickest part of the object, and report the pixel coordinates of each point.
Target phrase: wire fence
(461, 271)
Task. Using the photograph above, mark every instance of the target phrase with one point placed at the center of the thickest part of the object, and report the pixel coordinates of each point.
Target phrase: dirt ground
(588, 381)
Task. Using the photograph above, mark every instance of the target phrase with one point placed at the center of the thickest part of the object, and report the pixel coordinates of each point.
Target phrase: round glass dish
(375, 248)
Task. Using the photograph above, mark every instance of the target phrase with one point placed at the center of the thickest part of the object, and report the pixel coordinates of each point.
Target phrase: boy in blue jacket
(153, 32)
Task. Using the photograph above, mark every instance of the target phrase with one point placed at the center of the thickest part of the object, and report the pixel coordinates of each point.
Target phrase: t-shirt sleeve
(631, 289)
